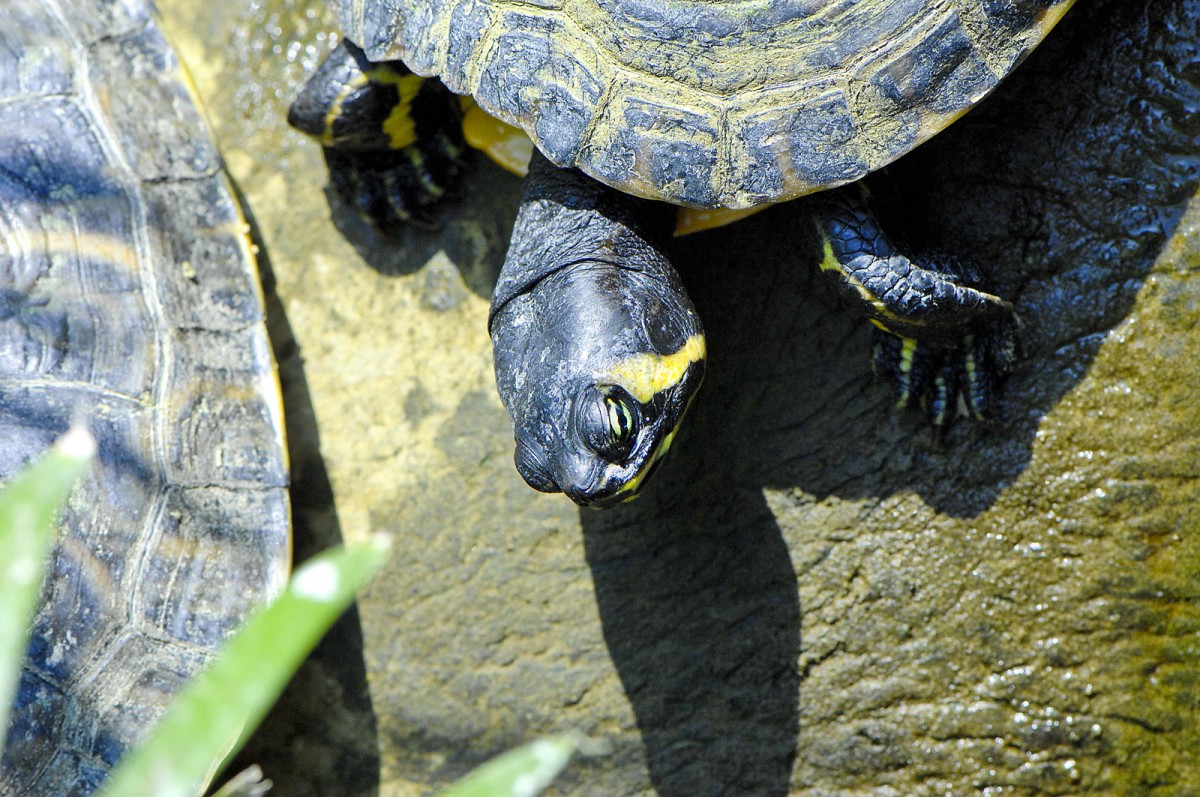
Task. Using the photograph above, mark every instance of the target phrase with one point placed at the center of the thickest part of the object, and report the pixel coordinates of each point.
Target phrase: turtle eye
(606, 419)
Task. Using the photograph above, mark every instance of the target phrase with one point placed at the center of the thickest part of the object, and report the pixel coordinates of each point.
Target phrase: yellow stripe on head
(631, 487)
(398, 126)
(633, 484)
(646, 374)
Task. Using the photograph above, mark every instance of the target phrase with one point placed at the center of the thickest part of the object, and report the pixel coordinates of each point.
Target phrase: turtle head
(596, 364)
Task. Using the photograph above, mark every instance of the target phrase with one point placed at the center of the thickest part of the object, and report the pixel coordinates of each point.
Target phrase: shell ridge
(702, 119)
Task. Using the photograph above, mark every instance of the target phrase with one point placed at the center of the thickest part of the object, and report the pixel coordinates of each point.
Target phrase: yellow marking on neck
(646, 373)
(633, 484)
(335, 107)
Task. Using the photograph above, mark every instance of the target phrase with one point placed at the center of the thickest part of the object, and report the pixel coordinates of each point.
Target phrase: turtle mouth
(585, 492)
(584, 489)
(596, 499)
(621, 490)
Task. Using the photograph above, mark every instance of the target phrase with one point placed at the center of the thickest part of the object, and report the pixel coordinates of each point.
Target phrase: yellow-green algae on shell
(729, 104)
(812, 598)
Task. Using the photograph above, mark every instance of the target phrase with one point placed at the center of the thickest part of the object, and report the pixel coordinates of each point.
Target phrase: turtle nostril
(531, 465)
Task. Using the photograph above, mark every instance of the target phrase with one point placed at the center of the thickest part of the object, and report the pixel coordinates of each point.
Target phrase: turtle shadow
(696, 581)
(700, 613)
(324, 715)
(473, 230)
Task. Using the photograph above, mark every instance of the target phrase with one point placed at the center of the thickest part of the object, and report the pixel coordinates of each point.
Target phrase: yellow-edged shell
(131, 304)
(511, 149)
(712, 104)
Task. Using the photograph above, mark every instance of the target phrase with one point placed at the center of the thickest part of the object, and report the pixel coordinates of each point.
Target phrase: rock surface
(814, 597)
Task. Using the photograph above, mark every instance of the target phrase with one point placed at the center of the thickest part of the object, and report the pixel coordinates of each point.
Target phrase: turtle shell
(129, 300)
(709, 104)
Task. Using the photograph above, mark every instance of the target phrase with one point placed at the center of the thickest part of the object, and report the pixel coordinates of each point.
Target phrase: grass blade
(521, 772)
(29, 506)
(228, 700)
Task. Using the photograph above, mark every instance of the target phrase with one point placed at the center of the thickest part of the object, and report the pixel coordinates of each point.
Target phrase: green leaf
(522, 772)
(223, 704)
(29, 506)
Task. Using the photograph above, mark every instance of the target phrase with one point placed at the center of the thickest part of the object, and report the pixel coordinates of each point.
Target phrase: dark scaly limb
(392, 140)
(941, 339)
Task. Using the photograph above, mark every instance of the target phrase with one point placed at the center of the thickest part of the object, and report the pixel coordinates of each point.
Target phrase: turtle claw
(947, 380)
(392, 140)
(942, 339)
(394, 189)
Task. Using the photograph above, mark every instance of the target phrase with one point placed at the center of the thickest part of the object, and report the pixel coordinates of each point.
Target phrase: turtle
(129, 302)
(635, 105)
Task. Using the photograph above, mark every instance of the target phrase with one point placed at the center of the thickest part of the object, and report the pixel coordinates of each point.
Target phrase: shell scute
(904, 68)
(527, 73)
(658, 146)
(813, 137)
(129, 300)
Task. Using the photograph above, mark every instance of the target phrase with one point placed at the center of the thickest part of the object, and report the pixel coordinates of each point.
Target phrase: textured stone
(814, 597)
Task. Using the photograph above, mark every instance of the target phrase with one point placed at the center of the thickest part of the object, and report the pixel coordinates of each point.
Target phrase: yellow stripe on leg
(398, 126)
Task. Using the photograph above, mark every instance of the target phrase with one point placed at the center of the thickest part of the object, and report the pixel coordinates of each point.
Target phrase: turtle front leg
(941, 339)
(392, 139)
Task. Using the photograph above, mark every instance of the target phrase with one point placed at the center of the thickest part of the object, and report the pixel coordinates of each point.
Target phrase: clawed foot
(394, 189)
(946, 379)
(942, 338)
(949, 375)
(393, 140)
